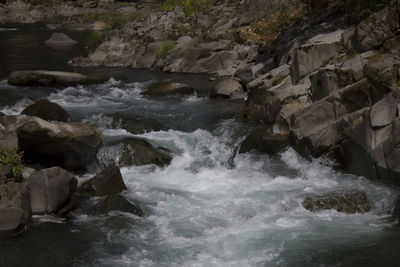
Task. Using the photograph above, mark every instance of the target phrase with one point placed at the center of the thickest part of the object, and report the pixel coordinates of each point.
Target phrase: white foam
(17, 108)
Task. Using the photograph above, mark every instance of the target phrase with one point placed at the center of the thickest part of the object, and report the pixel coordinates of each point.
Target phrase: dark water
(200, 210)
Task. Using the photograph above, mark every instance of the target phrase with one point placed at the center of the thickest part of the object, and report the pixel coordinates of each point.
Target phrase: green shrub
(189, 6)
(12, 158)
(113, 20)
(165, 48)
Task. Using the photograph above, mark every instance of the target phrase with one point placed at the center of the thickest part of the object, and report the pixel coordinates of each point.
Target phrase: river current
(210, 206)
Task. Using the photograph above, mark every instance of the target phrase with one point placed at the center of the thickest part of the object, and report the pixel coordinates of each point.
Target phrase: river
(209, 207)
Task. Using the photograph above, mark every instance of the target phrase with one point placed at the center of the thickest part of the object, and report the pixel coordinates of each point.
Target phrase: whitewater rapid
(210, 206)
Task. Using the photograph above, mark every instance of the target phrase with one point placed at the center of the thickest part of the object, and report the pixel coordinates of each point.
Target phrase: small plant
(12, 158)
(112, 21)
(165, 48)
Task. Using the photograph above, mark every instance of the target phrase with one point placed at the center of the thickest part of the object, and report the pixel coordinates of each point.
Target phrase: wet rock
(262, 105)
(118, 203)
(137, 151)
(15, 209)
(59, 39)
(227, 88)
(165, 89)
(70, 145)
(347, 201)
(134, 124)
(50, 189)
(264, 140)
(52, 78)
(47, 110)
(109, 181)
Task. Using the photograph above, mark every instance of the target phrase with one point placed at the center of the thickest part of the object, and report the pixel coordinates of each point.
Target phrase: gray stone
(384, 112)
(165, 89)
(346, 201)
(227, 88)
(60, 39)
(118, 203)
(109, 181)
(314, 54)
(50, 189)
(70, 145)
(376, 29)
(15, 209)
(262, 105)
(52, 78)
(264, 140)
(47, 110)
(133, 151)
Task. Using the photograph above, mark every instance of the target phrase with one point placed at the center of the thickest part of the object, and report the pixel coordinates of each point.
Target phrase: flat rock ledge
(52, 78)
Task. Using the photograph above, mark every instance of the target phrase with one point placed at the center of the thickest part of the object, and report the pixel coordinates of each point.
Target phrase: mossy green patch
(12, 158)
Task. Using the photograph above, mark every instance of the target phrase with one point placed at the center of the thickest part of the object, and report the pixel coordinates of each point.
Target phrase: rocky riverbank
(324, 85)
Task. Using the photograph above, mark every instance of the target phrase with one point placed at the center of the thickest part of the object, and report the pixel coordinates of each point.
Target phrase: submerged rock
(70, 145)
(165, 89)
(15, 210)
(118, 203)
(109, 181)
(50, 189)
(47, 110)
(347, 201)
(52, 78)
(60, 39)
(134, 124)
(137, 151)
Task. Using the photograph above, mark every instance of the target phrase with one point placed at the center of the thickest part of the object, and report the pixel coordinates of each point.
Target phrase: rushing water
(209, 207)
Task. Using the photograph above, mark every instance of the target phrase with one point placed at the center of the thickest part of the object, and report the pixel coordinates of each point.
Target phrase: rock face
(118, 203)
(60, 39)
(349, 201)
(134, 151)
(15, 209)
(315, 53)
(52, 78)
(50, 189)
(165, 89)
(107, 182)
(47, 110)
(71, 145)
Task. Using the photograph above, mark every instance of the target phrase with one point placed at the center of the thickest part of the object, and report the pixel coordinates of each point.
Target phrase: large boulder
(109, 181)
(47, 110)
(70, 145)
(134, 151)
(50, 189)
(384, 111)
(59, 39)
(346, 201)
(52, 78)
(165, 89)
(15, 209)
